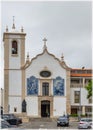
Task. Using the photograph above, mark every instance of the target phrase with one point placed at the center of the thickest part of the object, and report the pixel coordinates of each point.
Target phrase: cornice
(12, 33)
(63, 64)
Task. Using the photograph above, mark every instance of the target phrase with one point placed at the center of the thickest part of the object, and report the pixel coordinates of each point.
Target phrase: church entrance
(45, 108)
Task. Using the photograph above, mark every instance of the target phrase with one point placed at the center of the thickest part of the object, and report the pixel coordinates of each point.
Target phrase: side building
(79, 78)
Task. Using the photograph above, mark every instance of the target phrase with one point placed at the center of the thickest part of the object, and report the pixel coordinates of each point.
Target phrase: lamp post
(79, 114)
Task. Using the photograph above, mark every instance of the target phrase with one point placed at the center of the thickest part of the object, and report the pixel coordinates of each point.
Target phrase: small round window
(45, 73)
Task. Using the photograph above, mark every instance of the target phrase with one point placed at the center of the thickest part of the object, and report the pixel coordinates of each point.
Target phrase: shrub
(74, 115)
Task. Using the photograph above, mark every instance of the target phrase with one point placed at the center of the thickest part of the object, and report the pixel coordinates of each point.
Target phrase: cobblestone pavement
(46, 124)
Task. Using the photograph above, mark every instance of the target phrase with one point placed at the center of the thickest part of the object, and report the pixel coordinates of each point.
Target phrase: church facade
(39, 87)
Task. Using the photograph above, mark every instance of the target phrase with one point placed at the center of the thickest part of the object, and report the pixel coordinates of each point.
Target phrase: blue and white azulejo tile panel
(32, 86)
(58, 86)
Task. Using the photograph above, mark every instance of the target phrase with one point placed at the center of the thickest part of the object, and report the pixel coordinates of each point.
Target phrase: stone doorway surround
(48, 98)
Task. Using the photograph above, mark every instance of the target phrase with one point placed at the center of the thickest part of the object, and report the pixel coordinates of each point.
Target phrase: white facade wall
(32, 106)
(15, 102)
(14, 61)
(48, 61)
(84, 100)
(59, 106)
(15, 82)
(37, 65)
(42, 61)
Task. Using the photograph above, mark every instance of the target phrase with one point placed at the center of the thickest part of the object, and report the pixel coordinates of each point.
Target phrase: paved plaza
(45, 123)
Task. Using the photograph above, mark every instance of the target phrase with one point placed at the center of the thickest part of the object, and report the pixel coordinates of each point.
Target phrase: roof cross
(45, 40)
(45, 47)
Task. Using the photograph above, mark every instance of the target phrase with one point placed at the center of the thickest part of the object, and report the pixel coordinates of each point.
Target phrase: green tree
(89, 89)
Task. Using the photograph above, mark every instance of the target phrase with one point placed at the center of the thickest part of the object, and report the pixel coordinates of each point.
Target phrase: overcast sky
(66, 25)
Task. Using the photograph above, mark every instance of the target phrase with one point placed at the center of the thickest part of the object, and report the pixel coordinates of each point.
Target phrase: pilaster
(68, 106)
(83, 110)
(23, 84)
(6, 91)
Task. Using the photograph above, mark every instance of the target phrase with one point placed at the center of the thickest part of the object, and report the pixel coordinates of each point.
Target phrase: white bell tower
(14, 58)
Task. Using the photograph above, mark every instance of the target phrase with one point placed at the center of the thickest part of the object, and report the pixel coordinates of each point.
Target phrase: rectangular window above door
(45, 89)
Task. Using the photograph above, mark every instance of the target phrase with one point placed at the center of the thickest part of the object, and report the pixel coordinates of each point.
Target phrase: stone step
(25, 119)
(23, 116)
(41, 119)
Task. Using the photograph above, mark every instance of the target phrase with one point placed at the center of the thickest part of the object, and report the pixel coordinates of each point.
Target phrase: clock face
(45, 73)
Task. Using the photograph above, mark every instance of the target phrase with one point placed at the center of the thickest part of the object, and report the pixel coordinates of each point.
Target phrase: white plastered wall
(37, 65)
(43, 61)
(59, 106)
(52, 65)
(32, 106)
(84, 100)
(14, 102)
(15, 82)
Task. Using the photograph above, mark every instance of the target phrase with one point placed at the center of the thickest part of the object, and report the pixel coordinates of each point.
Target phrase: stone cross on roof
(44, 40)
(45, 47)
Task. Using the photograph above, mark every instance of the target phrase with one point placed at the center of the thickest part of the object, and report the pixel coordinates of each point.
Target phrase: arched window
(14, 47)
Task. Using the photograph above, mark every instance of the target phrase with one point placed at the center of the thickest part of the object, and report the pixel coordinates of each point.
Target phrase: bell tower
(14, 58)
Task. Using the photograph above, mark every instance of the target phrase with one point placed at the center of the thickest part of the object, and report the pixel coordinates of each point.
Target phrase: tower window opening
(14, 47)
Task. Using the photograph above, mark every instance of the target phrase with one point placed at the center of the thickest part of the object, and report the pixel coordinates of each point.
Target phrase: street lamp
(79, 114)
